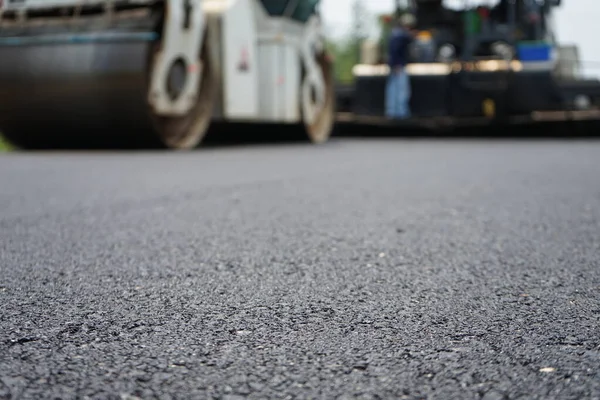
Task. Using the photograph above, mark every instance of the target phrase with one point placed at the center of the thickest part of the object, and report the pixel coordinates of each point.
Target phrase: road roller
(160, 73)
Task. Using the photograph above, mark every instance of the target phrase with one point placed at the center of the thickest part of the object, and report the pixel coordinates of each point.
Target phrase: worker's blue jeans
(397, 96)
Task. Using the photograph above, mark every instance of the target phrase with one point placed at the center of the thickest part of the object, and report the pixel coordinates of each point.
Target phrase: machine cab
(299, 10)
(479, 29)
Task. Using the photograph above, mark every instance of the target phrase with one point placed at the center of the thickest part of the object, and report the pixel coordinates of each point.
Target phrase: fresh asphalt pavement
(357, 269)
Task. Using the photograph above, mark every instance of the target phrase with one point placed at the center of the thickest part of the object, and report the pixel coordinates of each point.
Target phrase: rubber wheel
(320, 130)
(187, 132)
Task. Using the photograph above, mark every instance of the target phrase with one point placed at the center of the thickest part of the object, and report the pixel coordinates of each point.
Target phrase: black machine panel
(462, 94)
(371, 101)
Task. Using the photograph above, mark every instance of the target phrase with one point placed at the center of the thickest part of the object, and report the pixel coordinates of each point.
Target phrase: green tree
(346, 51)
(344, 55)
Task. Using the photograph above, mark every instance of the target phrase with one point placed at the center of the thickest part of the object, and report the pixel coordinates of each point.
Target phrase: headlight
(446, 52)
(582, 102)
(503, 50)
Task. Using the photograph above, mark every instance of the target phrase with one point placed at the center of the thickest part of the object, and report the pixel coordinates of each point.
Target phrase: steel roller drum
(84, 91)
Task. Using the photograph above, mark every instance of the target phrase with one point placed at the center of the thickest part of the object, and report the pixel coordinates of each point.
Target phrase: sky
(578, 22)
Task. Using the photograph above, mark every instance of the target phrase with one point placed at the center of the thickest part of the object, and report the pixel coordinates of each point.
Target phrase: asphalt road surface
(358, 269)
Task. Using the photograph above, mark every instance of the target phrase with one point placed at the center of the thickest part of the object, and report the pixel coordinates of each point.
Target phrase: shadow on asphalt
(541, 130)
(244, 135)
(235, 135)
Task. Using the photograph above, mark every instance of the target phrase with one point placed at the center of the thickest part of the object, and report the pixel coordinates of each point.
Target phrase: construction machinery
(489, 64)
(159, 73)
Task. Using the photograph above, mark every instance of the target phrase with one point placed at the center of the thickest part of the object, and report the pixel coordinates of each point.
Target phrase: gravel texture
(369, 269)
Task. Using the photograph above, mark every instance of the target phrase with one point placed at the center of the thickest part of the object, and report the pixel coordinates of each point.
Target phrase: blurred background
(576, 24)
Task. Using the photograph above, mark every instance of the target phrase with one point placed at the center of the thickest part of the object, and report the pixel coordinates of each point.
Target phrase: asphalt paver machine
(158, 73)
(491, 63)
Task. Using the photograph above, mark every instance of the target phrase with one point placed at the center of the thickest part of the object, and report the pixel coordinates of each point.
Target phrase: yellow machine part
(489, 108)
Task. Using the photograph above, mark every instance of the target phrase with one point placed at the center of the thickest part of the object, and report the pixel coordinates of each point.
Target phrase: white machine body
(268, 65)
(182, 40)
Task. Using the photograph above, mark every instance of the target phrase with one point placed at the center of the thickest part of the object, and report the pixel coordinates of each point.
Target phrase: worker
(398, 85)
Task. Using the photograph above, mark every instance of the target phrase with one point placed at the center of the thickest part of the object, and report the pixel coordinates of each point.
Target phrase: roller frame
(178, 42)
(312, 43)
(21, 8)
(44, 5)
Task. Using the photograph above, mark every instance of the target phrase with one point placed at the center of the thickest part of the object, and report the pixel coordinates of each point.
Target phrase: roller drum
(91, 94)
(76, 95)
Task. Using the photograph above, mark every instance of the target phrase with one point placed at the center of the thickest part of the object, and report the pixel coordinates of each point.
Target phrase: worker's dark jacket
(398, 48)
